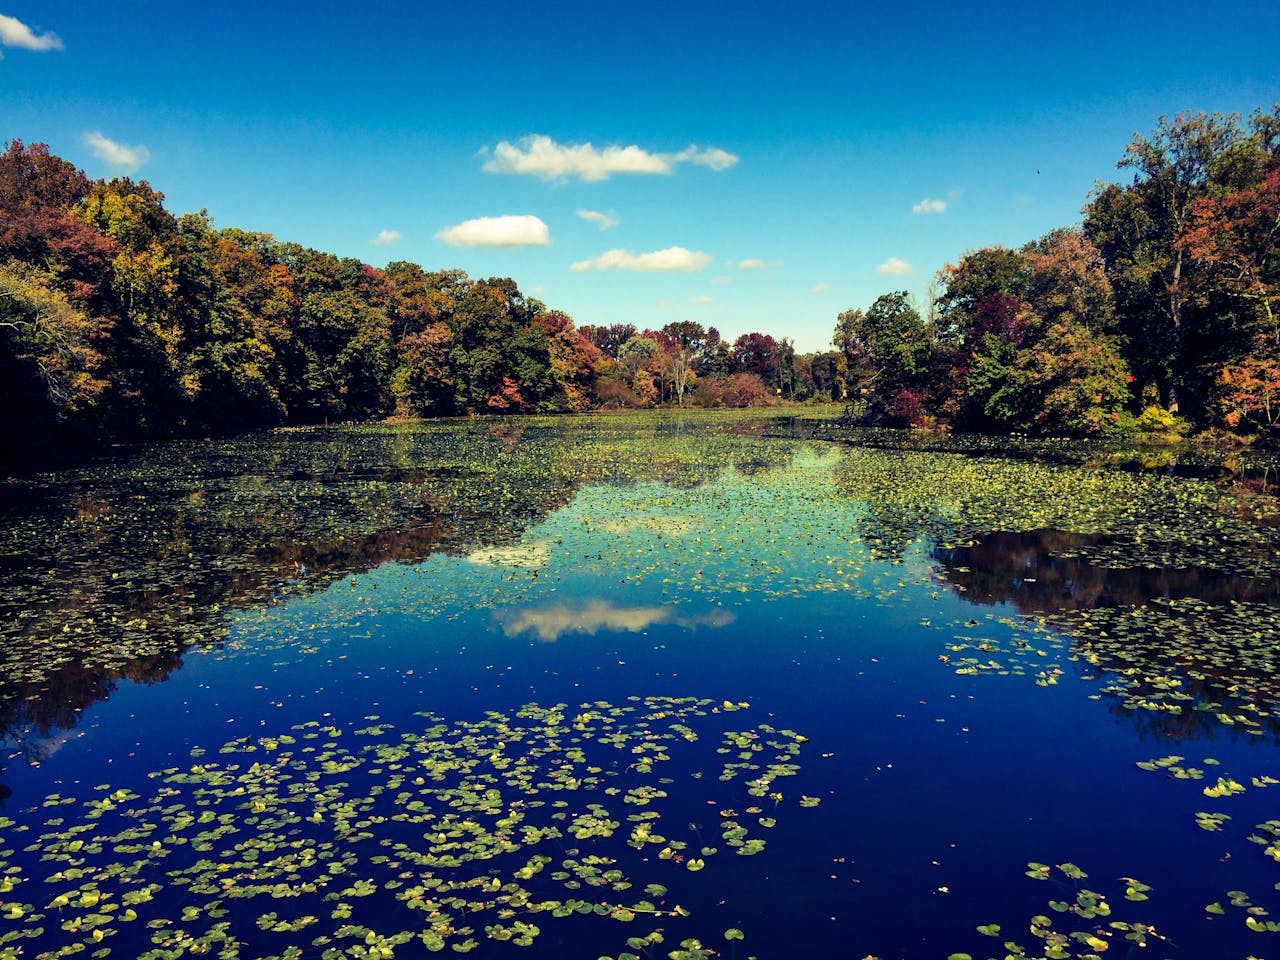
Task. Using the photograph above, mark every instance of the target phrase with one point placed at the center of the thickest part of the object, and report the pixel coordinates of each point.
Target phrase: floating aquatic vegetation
(1188, 661)
(1080, 924)
(359, 841)
(112, 570)
(115, 570)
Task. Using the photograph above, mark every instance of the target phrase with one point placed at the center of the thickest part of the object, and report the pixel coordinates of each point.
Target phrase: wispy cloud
(15, 33)
(701, 300)
(509, 231)
(713, 158)
(818, 288)
(672, 258)
(722, 281)
(605, 221)
(894, 267)
(539, 156)
(929, 206)
(386, 238)
(116, 154)
(752, 263)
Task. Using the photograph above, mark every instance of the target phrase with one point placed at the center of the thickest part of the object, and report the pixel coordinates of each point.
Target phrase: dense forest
(1159, 312)
(119, 320)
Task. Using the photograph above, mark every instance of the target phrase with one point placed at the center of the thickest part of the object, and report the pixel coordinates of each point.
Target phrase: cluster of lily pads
(358, 842)
(1219, 786)
(1089, 912)
(1141, 519)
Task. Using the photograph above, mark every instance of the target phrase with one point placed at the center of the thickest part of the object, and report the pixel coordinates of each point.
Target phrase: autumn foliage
(1165, 298)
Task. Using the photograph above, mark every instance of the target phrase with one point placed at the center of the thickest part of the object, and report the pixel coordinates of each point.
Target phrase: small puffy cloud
(701, 300)
(15, 33)
(752, 263)
(386, 238)
(116, 154)
(509, 231)
(818, 288)
(539, 156)
(929, 206)
(894, 267)
(604, 221)
(672, 258)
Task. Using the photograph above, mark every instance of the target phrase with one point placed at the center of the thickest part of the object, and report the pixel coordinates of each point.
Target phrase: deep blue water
(937, 789)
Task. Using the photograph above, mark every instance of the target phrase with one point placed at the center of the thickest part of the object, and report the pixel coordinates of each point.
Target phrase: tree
(1236, 236)
(575, 361)
(746, 389)
(1076, 380)
(46, 342)
(142, 297)
(1137, 228)
(1067, 281)
(679, 372)
(38, 194)
(760, 354)
(1248, 392)
(240, 308)
(976, 277)
(636, 354)
(422, 381)
(609, 340)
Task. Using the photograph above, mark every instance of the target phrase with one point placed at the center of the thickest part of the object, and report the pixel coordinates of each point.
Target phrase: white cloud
(386, 238)
(929, 206)
(713, 158)
(15, 33)
(818, 288)
(894, 267)
(604, 221)
(116, 154)
(538, 155)
(672, 258)
(509, 231)
(722, 281)
(701, 300)
(752, 263)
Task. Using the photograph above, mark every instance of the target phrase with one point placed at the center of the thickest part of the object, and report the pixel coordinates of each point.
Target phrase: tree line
(1159, 311)
(119, 320)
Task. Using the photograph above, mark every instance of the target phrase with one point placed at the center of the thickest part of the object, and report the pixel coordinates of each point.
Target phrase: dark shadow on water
(1036, 572)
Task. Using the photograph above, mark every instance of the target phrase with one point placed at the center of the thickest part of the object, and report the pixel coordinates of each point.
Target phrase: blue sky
(785, 161)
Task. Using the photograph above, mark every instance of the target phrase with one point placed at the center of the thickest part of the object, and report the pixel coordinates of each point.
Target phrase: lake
(640, 686)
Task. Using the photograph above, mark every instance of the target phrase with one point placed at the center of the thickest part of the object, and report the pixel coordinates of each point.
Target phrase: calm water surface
(946, 668)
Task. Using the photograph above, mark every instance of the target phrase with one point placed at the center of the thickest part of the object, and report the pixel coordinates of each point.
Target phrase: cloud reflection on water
(551, 623)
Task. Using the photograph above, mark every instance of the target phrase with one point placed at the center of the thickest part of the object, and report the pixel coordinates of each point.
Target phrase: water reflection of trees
(1036, 572)
(114, 570)
(1214, 633)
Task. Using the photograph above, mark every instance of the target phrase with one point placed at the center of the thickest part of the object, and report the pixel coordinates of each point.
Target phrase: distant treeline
(1159, 312)
(119, 320)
